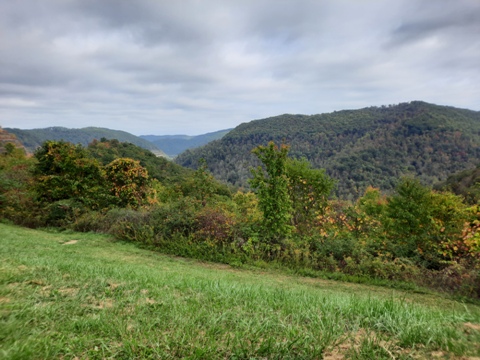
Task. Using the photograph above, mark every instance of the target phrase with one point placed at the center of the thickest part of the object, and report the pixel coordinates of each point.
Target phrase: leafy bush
(66, 171)
(128, 182)
(214, 223)
(460, 278)
(174, 218)
(309, 190)
(131, 225)
(17, 200)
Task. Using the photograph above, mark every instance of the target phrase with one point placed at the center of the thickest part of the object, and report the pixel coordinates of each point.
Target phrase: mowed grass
(84, 296)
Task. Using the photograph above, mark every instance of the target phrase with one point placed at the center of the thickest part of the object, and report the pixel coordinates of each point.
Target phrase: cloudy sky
(196, 66)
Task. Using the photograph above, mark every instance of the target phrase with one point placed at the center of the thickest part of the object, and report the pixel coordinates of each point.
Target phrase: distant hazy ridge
(33, 138)
(173, 145)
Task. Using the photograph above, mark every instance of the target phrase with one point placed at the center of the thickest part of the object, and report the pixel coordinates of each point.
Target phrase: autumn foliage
(413, 234)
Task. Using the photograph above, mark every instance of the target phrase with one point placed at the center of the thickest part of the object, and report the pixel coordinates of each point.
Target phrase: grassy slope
(94, 298)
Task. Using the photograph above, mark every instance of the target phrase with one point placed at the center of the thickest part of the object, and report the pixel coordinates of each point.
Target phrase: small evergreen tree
(203, 183)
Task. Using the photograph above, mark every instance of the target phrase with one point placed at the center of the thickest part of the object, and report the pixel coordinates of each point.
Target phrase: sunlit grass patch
(97, 299)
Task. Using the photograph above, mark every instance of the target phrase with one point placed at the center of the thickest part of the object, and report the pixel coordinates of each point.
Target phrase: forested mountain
(173, 145)
(33, 138)
(371, 146)
(105, 151)
(465, 183)
(8, 138)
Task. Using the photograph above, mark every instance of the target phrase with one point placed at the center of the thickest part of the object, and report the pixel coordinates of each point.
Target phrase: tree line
(415, 234)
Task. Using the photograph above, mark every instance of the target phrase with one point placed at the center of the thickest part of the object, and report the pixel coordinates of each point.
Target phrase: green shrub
(216, 224)
(65, 171)
(131, 225)
(62, 213)
(128, 182)
(381, 268)
(174, 218)
(17, 202)
(461, 278)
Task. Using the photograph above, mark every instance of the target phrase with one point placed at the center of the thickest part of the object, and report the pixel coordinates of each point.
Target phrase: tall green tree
(309, 190)
(66, 171)
(203, 183)
(409, 217)
(16, 198)
(271, 185)
(423, 224)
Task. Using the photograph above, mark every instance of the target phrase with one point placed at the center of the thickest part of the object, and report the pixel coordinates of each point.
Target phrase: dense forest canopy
(374, 146)
(415, 234)
(465, 183)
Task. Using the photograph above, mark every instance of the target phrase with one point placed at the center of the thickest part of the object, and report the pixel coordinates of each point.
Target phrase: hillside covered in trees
(413, 235)
(32, 139)
(373, 146)
(465, 183)
(8, 138)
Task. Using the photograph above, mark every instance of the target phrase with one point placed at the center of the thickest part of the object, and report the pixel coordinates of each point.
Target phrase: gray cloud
(441, 18)
(190, 66)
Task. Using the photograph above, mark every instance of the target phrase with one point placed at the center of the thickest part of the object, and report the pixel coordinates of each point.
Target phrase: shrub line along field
(83, 296)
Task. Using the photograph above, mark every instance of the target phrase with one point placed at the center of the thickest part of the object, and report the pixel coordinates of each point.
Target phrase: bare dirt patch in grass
(13, 285)
(70, 242)
(36, 282)
(105, 304)
(114, 286)
(352, 343)
(95, 303)
(68, 291)
(471, 326)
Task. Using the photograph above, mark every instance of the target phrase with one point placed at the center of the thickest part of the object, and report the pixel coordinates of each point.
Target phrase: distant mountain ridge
(173, 145)
(33, 138)
(373, 146)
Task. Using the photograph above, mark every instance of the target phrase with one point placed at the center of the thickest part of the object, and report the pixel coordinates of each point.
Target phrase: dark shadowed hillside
(465, 183)
(372, 146)
(33, 138)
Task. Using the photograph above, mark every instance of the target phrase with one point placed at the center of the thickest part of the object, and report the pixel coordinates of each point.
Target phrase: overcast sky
(196, 66)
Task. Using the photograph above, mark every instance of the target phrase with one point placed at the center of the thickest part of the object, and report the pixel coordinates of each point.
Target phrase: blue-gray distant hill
(173, 145)
(374, 146)
(33, 138)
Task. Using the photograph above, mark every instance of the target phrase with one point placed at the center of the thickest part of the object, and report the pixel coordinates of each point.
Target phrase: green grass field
(84, 296)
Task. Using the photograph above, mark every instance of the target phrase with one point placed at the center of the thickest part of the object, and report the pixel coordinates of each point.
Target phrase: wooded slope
(373, 146)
